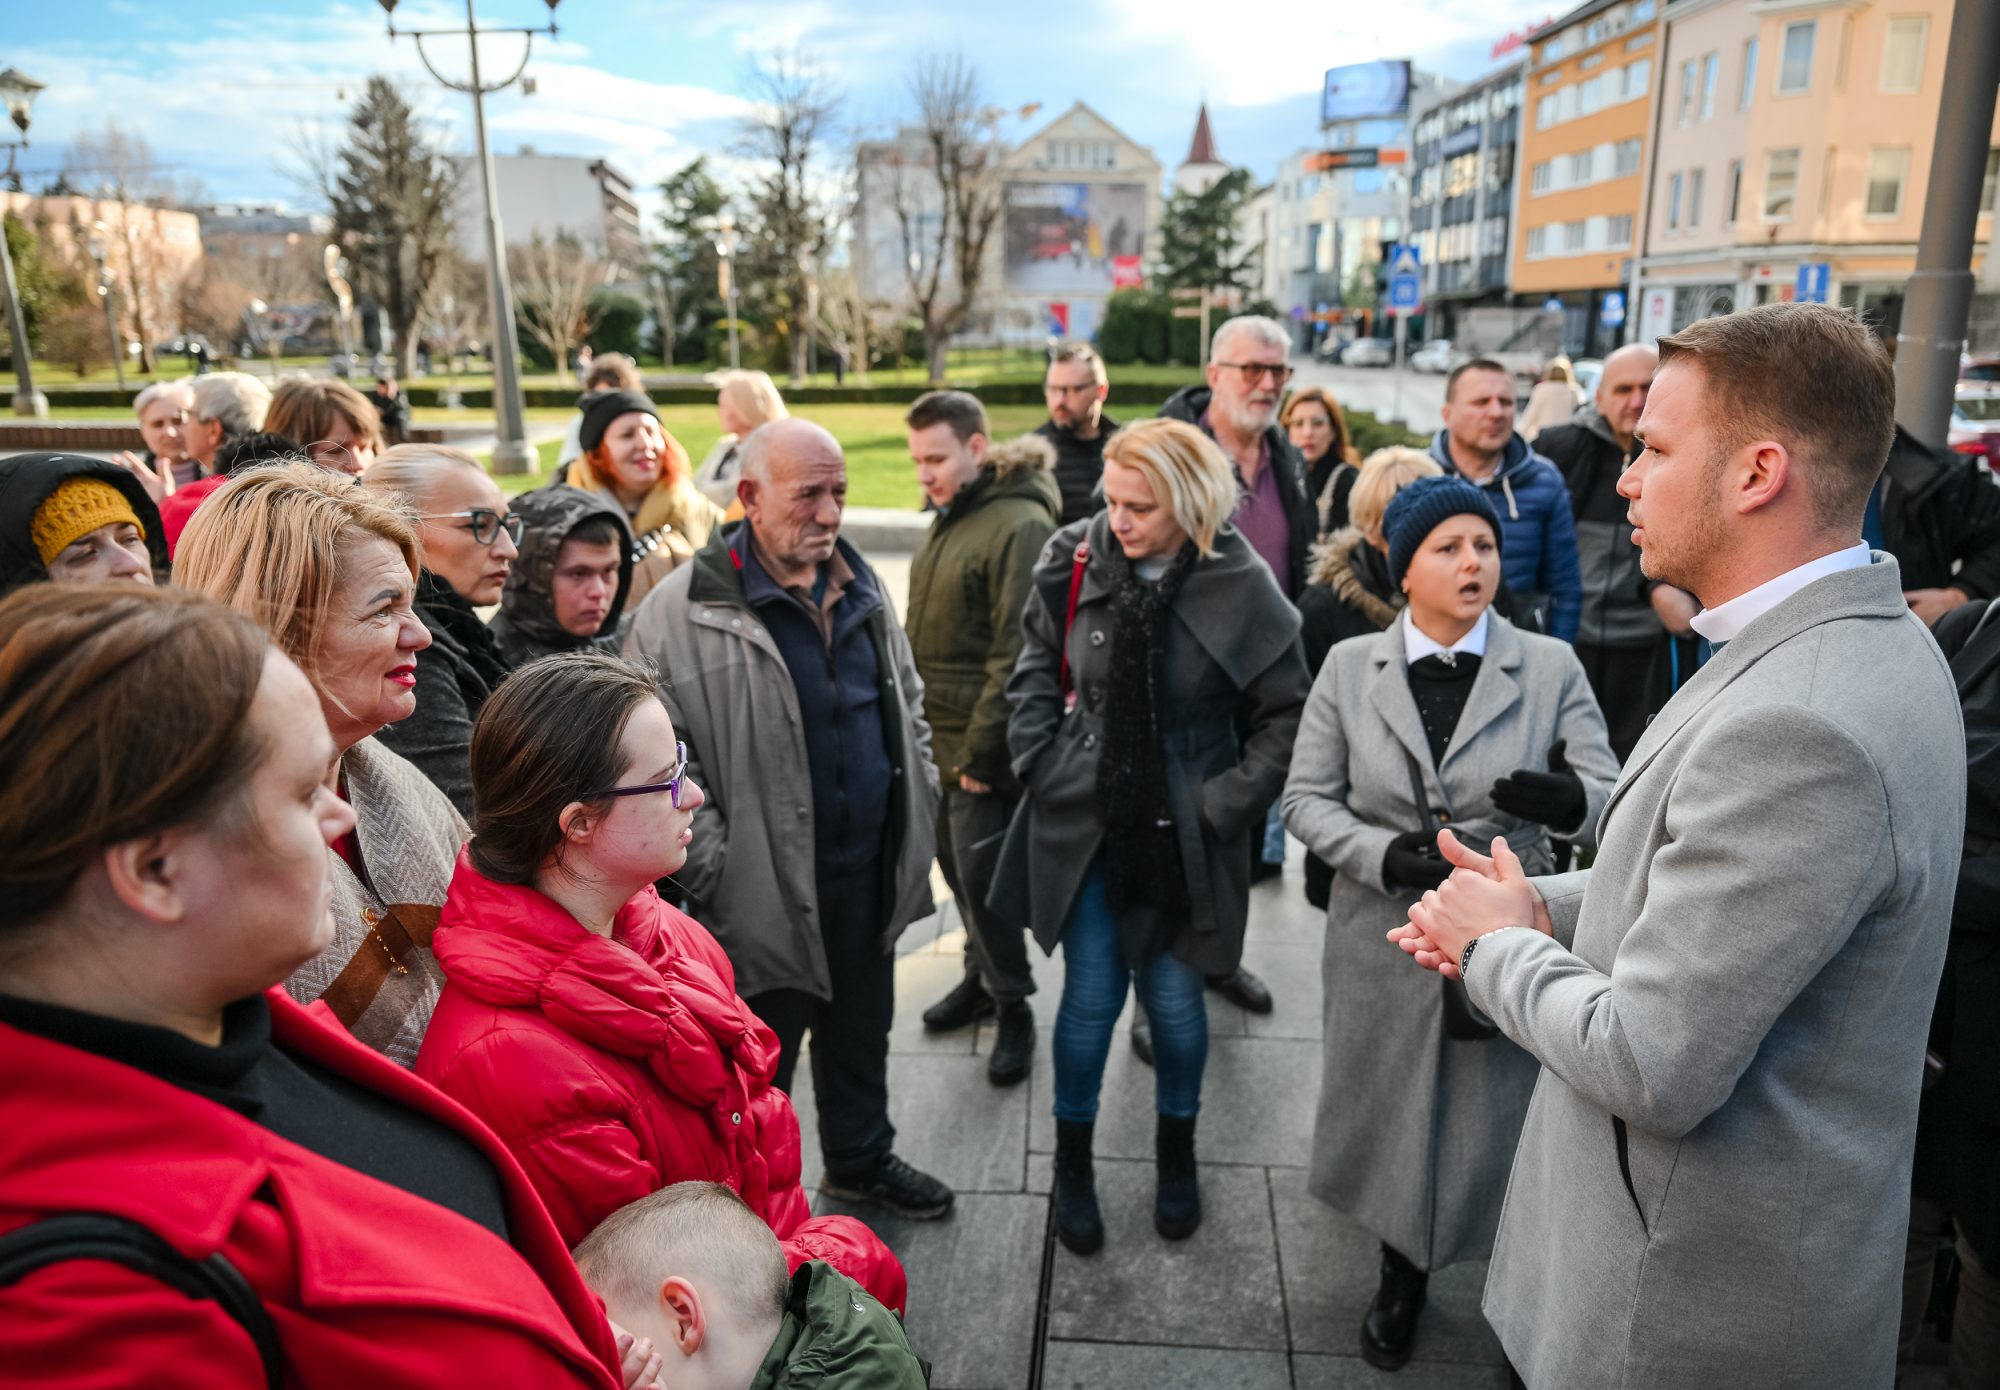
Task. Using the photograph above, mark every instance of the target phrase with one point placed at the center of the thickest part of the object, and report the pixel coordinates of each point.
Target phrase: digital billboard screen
(1361, 90)
(1069, 238)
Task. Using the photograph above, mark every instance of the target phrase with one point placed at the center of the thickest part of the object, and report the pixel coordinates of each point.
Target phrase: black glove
(1554, 798)
(1413, 861)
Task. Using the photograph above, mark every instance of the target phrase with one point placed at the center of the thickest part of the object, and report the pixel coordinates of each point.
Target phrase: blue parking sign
(1406, 289)
(1814, 279)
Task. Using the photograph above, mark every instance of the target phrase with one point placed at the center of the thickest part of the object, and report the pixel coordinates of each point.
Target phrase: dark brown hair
(124, 711)
(959, 409)
(548, 736)
(305, 408)
(1808, 375)
(1477, 364)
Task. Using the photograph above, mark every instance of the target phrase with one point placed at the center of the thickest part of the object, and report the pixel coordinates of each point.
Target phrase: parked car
(1979, 369)
(1332, 346)
(1975, 422)
(1437, 355)
(1368, 352)
(1589, 371)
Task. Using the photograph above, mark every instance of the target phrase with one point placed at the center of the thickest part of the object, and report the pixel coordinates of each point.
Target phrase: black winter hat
(1420, 507)
(600, 408)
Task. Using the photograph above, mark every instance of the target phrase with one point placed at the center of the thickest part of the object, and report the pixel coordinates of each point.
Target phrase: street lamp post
(511, 453)
(725, 248)
(99, 245)
(17, 94)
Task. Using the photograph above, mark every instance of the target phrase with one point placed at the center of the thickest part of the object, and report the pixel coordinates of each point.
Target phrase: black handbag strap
(116, 1240)
(1422, 798)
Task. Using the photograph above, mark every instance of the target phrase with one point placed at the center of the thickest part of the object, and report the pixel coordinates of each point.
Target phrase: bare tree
(796, 212)
(946, 214)
(553, 284)
(844, 320)
(116, 166)
(457, 318)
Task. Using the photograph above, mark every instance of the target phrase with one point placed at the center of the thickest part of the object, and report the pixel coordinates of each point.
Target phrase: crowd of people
(374, 842)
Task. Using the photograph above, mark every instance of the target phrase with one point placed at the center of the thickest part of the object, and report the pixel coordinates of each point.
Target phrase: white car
(1589, 371)
(1437, 356)
(1368, 352)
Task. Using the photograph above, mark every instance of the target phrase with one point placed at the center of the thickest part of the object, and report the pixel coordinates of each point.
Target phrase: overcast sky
(223, 91)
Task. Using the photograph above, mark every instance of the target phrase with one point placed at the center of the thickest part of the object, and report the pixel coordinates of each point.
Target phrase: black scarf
(1142, 861)
(443, 610)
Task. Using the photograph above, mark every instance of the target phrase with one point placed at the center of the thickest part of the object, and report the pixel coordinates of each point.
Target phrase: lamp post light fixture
(511, 452)
(100, 244)
(725, 269)
(17, 95)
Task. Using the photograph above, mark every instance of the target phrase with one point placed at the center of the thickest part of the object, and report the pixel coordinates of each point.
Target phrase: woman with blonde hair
(1553, 401)
(744, 400)
(629, 458)
(1317, 427)
(330, 571)
(1154, 703)
(333, 423)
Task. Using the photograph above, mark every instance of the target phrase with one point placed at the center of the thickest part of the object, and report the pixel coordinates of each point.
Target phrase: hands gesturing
(1483, 894)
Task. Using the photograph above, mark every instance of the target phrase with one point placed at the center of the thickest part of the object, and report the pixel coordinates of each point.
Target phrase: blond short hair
(273, 544)
(701, 1231)
(753, 396)
(1385, 473)
(409, 470)
(1190, 475)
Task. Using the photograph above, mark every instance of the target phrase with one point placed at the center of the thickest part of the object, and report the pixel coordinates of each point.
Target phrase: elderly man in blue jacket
(1537, 528)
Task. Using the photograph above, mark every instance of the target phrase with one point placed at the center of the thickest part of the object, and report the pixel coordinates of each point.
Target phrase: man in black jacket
(1075, 389)
(1940, 518)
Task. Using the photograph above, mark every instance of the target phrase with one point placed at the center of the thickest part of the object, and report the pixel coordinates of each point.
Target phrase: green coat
(835, 1336)
(969, 582)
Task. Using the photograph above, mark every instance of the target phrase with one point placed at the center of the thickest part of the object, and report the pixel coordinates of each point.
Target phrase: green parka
(969, 582)
(835, 1335)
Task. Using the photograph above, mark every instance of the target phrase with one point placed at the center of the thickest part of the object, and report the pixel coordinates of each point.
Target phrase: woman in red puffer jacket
(594, 1028)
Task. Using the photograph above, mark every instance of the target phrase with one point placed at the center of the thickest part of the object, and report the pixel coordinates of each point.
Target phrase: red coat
(613, 1067)
(178, 509)
(367, 1285)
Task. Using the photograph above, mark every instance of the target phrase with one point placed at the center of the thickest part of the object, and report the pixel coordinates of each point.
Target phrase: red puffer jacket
(366, 1284)
(614, 1067)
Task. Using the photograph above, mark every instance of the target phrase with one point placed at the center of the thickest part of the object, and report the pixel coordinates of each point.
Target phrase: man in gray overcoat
(1731, 1006)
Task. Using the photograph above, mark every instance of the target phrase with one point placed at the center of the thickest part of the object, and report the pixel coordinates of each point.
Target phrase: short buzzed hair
(959, 409)
(1477, 364)
(1084, 353)
(1810, 376)
(1267, 331)
(700, 1231)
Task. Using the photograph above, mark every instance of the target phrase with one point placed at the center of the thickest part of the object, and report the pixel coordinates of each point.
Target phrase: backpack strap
(1069, 621)
(116, 1240)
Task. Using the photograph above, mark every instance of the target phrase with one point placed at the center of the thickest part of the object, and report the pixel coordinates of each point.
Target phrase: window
(1538, 243)
(1545, 113)
(1696, 181)
(1735, 196)
(1574, 234)
(1625, 158)
(1638, 77)
(1781, 184)
(1550, 78)
(1687, 94)
(1595, 60)
(1903, 54)
(1580, 166)
(1888, 167)
(1748, 87)
(1674, 203)
(1986, 190)
(1710, 69)
(1795, 66)
(1639, 41)
(1618, 234)
(1589, 95)
(1538, 178)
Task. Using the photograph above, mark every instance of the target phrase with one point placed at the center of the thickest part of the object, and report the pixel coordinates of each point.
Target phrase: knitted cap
(600, 408)
(73, 511)
(1420, 507)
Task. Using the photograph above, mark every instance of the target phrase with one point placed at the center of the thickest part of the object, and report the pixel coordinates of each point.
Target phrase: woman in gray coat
(1154, 704)
(1451, 715)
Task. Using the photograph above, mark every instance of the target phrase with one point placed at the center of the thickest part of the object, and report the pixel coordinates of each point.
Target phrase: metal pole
(27, 400)
(111, 326)
(1396, 401)
(735, 357)
(511, 453)
(1938, 303)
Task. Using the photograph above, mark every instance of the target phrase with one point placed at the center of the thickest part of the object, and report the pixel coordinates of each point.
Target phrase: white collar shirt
(1417, 645)
(1722, 622)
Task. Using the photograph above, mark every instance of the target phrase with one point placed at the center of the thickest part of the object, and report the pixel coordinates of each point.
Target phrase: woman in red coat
(154, 891)
(595, 1028)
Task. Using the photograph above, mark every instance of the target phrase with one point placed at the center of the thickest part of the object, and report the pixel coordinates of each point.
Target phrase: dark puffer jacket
(1941, 510)
(1301, 516)
(26, 482)
(1537, 534)
(1590, 459)
(1079, 467)
(968, 583)
(455, 674)
(526, 626)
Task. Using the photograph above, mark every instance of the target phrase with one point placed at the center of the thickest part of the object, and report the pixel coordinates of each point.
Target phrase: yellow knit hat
(73, 511)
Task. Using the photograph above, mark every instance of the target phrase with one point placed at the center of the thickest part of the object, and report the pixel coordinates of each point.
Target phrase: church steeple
(1202, 150)
(1203, 167)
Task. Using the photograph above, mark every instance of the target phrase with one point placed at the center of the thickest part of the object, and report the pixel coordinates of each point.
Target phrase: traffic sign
(1814, 276)
(1612, 311)
(1406, 289)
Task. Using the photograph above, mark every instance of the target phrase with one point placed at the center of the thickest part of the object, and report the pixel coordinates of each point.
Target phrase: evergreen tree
(1200, 241)
(684, 257)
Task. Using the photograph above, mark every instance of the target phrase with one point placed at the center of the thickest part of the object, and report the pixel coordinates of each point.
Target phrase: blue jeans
(1095, 976)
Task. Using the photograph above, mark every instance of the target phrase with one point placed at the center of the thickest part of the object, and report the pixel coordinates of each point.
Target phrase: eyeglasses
(672, 786)
(485, 523)
(1252, 371)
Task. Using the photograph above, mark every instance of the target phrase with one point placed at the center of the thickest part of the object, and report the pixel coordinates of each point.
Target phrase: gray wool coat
(1415, 1132)
(1234, 682)
(1712, 1188)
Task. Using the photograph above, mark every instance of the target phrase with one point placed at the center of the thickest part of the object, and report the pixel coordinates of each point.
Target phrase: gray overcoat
(1713, 1185)
(1234, 681)
(1416, 1131)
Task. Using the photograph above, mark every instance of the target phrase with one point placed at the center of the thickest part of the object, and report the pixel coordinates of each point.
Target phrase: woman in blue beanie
(1449, 716)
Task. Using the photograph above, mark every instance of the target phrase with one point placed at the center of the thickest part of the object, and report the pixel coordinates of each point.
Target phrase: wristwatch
(1465, 956)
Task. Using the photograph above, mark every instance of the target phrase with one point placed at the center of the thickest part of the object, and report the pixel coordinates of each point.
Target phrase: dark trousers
(970, 829)
(1618, 679)
(1975, 1332)
(850, 1031)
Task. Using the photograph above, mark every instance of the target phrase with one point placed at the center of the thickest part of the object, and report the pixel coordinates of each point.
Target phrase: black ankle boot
(1079, 1225)
(1390, 1329)
(1177, 1203)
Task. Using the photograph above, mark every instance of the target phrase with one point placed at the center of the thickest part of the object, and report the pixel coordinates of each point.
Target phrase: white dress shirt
(1416, 644)
(1722, 622)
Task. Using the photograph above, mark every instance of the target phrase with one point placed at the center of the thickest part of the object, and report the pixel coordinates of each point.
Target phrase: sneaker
(967, 1003)
(1013, 1046)
(894, 1184)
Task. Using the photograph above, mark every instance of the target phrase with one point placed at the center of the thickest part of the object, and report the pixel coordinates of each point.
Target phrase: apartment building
(1796, 132)
(1463, 160)
(1587, 110)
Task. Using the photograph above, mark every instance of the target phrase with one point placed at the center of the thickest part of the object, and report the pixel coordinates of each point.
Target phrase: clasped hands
(1482, 894)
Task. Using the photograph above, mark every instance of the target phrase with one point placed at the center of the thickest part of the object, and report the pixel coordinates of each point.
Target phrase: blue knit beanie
(1420, 507)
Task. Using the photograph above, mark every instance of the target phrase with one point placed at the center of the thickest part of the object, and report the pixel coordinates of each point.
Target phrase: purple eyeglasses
(672, 786)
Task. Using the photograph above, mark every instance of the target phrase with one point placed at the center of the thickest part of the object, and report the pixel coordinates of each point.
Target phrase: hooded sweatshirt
(26, 482)
(1590, 457)
(1537, 532)
(834, 1334)
(526, 626)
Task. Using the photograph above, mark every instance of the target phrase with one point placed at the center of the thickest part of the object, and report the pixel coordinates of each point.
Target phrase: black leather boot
(1390, 1330)
(1013, 1046)
(967, 1003)
(1079, 1224)
(1177, 1203)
